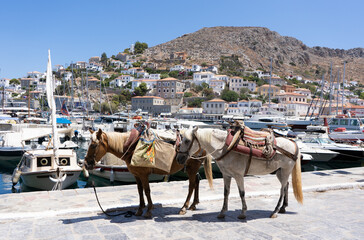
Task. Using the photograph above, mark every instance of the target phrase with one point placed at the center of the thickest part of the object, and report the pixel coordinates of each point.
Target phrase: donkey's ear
(91, 131)
(99, 134)
(195, 129)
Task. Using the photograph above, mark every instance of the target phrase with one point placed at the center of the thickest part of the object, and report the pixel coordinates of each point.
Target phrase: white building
(67, 76)
(4, 82)
(35, 74)
(217, 85)
(304, 91)
(121, 81)
(151, 83)
(200, 77)
(214, 109)
(155, 76)
(195, 68)
(237, 83)
(177, 68)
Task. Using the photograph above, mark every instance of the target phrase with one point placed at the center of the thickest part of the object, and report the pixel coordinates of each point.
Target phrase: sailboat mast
(87, 97)
(330, 92)
(52, 104)
(342, 92)
(100, 92)
(72, 100)
(322, 92)
(337, 92)
(270, 80)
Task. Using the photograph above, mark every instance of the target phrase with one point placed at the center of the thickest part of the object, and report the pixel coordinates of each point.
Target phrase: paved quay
(332, 209)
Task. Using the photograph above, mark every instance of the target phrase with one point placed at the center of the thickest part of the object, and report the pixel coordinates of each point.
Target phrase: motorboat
(318, 154)
(316, 136)
(346, 129)
(114, 169)
(49, 169)
(258, 122)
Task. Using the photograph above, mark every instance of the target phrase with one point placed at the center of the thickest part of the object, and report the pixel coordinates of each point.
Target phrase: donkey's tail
(296, 180)
(208, 170)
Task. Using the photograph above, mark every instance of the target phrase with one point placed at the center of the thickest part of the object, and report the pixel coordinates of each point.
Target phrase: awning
(63, 121)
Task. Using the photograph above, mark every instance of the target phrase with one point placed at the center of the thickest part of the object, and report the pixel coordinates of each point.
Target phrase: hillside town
(128, 82)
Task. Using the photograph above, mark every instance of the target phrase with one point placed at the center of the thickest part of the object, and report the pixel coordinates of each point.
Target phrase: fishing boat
(48, 169)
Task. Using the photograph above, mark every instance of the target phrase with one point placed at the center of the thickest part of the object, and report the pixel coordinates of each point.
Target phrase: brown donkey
(113, 142)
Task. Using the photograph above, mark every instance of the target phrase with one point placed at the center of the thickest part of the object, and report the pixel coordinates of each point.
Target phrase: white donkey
(234, 165)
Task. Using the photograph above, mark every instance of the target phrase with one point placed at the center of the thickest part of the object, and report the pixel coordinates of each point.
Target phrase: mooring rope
(126, 214)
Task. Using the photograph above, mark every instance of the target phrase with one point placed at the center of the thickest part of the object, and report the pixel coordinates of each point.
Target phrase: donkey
(113, 142)
(233, 164)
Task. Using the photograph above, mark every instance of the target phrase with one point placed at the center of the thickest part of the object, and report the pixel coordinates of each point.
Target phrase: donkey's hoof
(274, 215)
(193, 207)
(221, 216)
(242, 216)
(139, 212)
(182, 211)
(282, 210)
(148, 215)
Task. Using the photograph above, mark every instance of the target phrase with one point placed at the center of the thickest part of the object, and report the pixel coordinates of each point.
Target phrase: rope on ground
(126, 214)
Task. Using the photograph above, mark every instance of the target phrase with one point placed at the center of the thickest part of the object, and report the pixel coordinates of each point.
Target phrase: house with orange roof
(237, 83)
(264, 90)
(214, 109)
(217, 85)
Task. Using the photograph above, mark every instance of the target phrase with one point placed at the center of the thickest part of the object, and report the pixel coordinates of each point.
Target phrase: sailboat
(48, 169)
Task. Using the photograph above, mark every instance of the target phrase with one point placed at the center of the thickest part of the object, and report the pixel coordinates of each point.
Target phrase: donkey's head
(97, 149)
(188, 145)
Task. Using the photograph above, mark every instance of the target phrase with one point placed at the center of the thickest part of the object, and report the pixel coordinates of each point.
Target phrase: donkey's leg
(146, 187)
(227, 182)
(191, 186)
(195, 167)
(141, 197)
(240, 182)
(282, 176)
(285, 200)
(196, 199)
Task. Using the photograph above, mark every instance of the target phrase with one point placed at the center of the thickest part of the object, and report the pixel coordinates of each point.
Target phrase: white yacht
(346, 129)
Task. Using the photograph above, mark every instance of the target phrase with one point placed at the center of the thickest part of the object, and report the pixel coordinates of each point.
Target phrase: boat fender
(16, 176)
(112, 175)
(85, 172)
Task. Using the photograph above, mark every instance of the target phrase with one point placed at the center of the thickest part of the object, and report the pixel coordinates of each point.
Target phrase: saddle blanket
(256, 139)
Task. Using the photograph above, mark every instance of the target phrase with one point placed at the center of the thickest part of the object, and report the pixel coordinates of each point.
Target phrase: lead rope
(126, 214)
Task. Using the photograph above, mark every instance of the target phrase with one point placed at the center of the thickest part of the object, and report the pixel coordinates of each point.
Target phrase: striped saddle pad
(261, 143)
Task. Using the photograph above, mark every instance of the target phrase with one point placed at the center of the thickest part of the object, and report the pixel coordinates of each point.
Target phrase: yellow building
(264, 90)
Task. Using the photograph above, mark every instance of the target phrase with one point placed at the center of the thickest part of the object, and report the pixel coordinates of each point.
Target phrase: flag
(64, 110)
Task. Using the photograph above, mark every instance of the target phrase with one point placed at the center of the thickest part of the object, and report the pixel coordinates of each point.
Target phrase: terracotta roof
(216, 100)
(168, 79)
(148, 97)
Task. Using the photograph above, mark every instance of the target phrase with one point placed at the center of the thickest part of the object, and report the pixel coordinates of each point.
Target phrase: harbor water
(6, 171)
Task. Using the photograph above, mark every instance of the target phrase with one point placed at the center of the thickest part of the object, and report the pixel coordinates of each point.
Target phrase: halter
(190, 146)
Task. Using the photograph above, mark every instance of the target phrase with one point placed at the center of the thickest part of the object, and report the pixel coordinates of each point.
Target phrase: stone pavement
(74, 213)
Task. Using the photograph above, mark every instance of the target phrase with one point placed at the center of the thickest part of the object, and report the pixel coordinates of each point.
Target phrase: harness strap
(286, 153)
(232, 146)
(249, 161)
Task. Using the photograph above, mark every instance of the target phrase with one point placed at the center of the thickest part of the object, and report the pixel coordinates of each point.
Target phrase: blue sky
(77, 30)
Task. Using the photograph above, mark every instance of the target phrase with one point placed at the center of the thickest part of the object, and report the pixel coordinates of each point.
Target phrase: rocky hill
(254, 47)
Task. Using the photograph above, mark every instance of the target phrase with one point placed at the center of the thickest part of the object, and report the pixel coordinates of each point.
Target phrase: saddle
(258, 144)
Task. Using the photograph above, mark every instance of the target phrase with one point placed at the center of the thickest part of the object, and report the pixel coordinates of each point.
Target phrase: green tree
(14, 81)
(139, 47)
(208, 93)
(229, 96)
(141, 90)
(104, 59)
(187, 94)
(197, 102)
(244, 94)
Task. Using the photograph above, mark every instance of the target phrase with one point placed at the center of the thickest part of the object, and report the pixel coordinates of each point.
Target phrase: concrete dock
(332, 209)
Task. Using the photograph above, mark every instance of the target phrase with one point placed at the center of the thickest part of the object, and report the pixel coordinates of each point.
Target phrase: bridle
(190, 146)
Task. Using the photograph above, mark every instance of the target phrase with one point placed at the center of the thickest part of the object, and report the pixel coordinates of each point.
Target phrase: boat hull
(41, 180)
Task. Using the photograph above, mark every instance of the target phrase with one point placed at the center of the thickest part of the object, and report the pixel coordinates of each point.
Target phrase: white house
(195, 68)
(35, 74)
(151, 83)
(214, 109)
(296, 108)
(155, 76)
(237, 83)
(94, 67)
(304, 91)
(142, 74)
(67, 76)
(4, 82)
(121, 81)
(217, 85)
(200, 77)
(225, 78)
(177, 68)
(291, 98)
(57, 68)
(131, 71)
(103, 76)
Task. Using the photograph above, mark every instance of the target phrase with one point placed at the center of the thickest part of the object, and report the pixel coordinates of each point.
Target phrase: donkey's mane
(204, 135)
(116, 140)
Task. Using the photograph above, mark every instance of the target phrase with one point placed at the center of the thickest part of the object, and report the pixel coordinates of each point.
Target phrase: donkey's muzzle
(182, 158)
